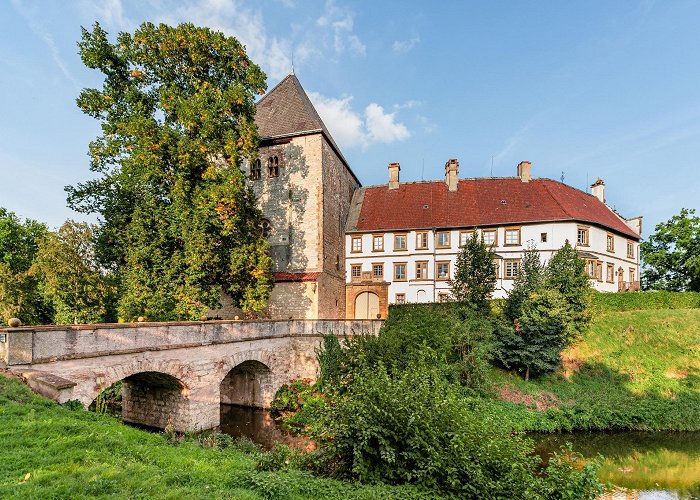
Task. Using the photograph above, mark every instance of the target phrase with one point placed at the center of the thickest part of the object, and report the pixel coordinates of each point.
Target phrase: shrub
(646, 300)
(413, 427)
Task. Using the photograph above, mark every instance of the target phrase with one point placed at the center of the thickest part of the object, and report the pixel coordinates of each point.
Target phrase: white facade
(420, 272)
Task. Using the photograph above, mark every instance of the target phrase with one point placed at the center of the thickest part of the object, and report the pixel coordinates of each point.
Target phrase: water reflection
(651, 464)
(258, 426)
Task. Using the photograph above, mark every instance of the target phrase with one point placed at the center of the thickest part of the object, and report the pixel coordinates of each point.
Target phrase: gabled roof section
(479, 202)
(286, 111)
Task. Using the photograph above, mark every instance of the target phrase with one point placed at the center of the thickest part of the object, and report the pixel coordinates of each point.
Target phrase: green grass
(48, 451)
(632, 370)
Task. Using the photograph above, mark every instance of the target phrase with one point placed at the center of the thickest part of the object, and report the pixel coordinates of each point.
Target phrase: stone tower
(304, 186)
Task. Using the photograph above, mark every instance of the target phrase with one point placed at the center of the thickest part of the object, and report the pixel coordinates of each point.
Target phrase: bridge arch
(248, 379)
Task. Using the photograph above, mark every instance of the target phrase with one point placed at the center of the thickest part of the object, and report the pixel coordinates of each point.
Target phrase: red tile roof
(296, 276)
(481, 202)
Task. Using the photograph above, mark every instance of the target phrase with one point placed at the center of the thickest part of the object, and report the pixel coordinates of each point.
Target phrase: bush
(414, 427)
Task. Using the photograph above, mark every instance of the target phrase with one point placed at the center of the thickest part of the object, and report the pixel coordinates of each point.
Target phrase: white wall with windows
(418, 264)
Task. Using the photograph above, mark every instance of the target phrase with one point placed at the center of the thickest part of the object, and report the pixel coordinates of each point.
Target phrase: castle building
(345, 251)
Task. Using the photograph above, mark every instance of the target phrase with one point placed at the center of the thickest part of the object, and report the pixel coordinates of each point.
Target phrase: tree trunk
(527, 373)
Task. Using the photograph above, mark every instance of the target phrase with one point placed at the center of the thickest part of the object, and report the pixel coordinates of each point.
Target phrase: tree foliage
(178, 223)
(70, 278)
(19, 293)
(548, 307)
(475, 276)
(671, 255)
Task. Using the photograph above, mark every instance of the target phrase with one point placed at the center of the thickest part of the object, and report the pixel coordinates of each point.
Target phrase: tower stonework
(304, 186)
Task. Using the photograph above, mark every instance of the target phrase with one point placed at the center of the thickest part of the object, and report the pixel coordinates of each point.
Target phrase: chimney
(394, 169)
(525, 171)
(452, 174)
(598, 189)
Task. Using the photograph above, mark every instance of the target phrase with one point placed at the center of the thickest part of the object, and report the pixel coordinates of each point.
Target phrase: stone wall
(293, 300)
(339, 186)
(45, 344)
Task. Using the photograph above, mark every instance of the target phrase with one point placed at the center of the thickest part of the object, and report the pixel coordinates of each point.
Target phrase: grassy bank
(636, 368)
(49, 451)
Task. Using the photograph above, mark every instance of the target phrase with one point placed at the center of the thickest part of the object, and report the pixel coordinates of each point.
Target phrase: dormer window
(273, 166)
(256, 170)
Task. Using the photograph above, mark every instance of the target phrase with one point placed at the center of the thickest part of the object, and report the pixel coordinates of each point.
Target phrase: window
(356, 271)
(610, 243)
(378, 243)
(400, 242)
(463, 236)
(356, 244)
(400, 298)
(582, 236)
(443, 239)
(273, 166)
(632, 272)
(543, 237)
(442, 270)
(513, 236)
(511, 268)
(266, 228)
(421, 240)
(594, 269)
(497, 267)
(400, 271)
(610, 273)
(443, 297)
(255, 170)
(421, 270)
(378, 271)
(489, 237)
(630, 250)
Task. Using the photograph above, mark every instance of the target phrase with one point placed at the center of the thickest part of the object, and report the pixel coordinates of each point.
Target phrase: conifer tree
(475, 276)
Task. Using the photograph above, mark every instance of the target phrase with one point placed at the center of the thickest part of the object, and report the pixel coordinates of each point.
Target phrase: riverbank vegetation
(50, 451)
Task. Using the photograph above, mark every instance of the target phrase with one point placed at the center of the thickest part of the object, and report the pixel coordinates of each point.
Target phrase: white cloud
(110, 13)
(351, 128)
(341, 21)
(382, 127)
(405, 45)
(346, 125)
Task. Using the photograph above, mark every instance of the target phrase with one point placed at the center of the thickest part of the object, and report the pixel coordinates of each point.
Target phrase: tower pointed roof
(286, 111)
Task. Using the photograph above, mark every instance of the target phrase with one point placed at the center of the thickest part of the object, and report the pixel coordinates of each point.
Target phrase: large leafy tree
(475, 276)
(672, 254)
(178, 223)
(19, 293)
(70, 278)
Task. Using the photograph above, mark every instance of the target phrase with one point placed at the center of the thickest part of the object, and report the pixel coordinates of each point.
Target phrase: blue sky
(588, 88)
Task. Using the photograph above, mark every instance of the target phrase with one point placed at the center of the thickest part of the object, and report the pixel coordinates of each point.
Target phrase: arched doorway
(421, 296)
(366, 305)
(248, 384)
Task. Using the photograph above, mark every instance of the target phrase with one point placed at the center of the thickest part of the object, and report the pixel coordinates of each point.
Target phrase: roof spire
(292, 72)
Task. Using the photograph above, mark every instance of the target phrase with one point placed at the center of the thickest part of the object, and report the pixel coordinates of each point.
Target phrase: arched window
(266, 228)
(273, 166)
(256, 170)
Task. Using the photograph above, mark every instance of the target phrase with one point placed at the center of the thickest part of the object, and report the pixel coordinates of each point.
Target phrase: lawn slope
(49, 451)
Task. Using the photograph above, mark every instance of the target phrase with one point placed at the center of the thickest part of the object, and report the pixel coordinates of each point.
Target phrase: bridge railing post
(18, 346)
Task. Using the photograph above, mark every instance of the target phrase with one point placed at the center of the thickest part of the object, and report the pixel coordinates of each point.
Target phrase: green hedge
(634, 301)
(623, 301)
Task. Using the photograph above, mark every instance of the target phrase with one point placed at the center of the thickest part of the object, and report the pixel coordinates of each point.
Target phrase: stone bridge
(176, 372)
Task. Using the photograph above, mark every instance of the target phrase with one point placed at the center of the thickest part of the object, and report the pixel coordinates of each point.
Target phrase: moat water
(644, 465)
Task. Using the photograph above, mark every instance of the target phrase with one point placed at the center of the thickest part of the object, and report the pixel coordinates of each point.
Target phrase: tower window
(273, 166)
(256, 170)
(266, 228)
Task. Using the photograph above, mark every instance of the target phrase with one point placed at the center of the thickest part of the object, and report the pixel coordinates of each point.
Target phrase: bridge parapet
(44, 344)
